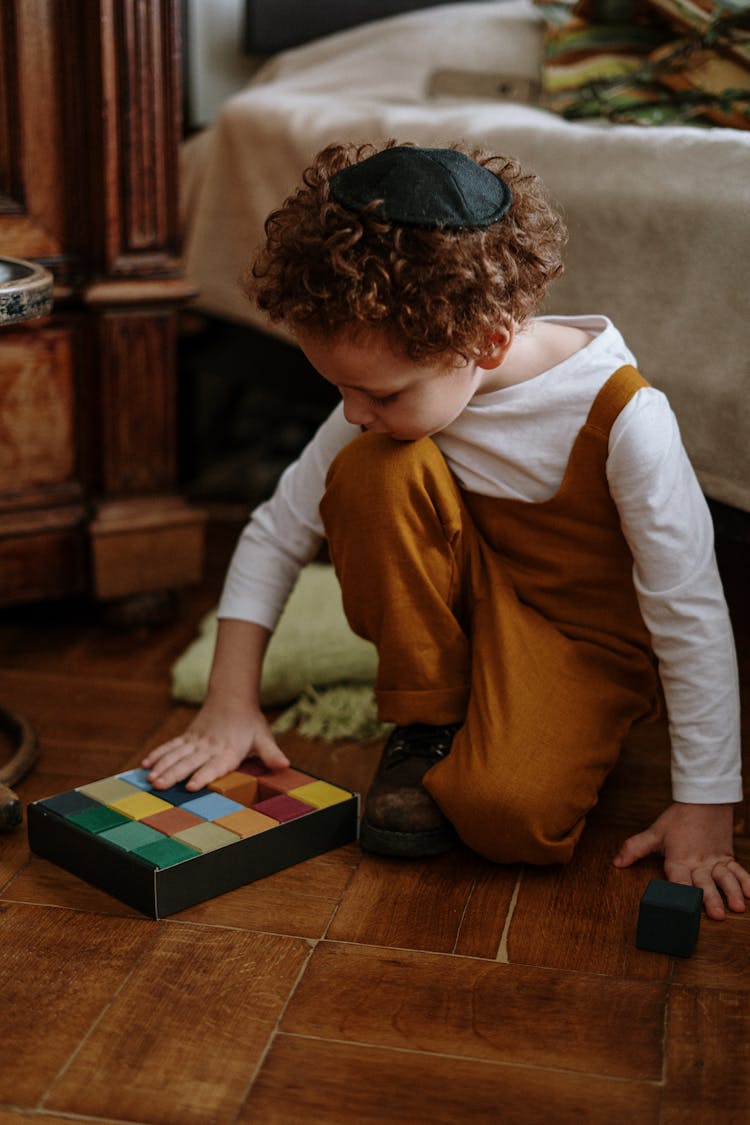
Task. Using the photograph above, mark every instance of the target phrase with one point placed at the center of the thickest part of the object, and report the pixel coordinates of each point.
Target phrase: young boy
(512, 518)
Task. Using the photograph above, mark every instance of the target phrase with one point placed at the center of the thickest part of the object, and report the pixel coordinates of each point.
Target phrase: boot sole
(411, 845)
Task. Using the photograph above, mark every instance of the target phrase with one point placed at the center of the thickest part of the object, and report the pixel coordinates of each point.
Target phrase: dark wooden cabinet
(90, 127)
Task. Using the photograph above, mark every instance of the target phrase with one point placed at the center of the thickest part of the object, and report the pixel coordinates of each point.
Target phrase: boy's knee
(375, 460)
(381, 480)
(515, 824)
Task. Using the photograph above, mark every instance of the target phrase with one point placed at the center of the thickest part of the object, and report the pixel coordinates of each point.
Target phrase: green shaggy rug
(315, 664)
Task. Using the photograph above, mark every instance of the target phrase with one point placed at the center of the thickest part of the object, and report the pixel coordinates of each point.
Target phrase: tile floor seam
(655, 1082)
(273, 1034)
(511, 965)
(502, 949)
(334, 912)
(75, 909)
(173, 921)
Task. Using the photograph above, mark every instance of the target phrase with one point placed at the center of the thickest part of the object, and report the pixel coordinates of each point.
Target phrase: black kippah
(424, 187)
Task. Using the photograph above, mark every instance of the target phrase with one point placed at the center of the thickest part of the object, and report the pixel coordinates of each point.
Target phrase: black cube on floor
(669, 918)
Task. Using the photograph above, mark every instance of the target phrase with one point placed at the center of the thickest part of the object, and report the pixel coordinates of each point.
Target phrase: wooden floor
(349, 988)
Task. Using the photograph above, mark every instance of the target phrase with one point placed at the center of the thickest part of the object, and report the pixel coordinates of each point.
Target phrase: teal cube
(669, 918)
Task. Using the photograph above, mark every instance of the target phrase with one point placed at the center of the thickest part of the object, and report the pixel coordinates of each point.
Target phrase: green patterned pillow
(592, 45)
(730, 18)
(644, 61)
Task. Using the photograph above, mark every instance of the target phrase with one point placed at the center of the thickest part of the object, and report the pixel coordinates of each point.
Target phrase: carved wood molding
(130, 124)
(137, 427)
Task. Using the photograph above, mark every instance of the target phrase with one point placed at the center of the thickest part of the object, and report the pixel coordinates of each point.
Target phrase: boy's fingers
(160, 752)
(637, 847)
(743, 877)
(274, 759)
(713, 903)
(727, 874)
(269, 753)
(169, 764)
(207, 772)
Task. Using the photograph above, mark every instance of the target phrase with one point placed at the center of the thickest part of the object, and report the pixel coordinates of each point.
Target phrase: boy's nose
(357, 411)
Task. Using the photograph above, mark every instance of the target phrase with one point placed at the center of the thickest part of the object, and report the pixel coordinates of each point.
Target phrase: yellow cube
(139, 805)
(320, 794)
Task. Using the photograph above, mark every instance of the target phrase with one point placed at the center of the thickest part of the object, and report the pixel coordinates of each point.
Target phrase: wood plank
(409, 904)
(44, 884)
(181, 1040)
(584, 916)
(58, 973)
(477, 1009)
(71, 635)
(707, 1060)
(85, 709)
(298, 902)
(307, 1080)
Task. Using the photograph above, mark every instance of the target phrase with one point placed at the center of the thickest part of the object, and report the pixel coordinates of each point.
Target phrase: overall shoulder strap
(613, 396)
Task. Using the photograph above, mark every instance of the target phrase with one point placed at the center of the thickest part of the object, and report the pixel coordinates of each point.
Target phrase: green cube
(98, 819)
(166, 852)
(131, 836)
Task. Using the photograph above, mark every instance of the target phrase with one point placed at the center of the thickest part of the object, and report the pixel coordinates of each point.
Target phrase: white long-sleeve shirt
(515, 443)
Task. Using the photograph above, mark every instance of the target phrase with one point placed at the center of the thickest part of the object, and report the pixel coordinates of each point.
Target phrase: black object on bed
(275, 25)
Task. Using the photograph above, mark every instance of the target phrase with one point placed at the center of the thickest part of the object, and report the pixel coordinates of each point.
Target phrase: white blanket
(658, 217)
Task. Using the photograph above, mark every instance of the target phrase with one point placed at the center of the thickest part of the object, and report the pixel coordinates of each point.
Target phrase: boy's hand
(696, 842)
(214, 744)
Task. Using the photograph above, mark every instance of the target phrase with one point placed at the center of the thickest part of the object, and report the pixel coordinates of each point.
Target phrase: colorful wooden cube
(319, 793)
(99, 819)
(240, 787)
(171, 821)
(165, 852)
(212, 806)
(254, 766)
(247, 822)
(282, 807)
(280, 781)
(139, 805)
(109, 789)
(206, 837)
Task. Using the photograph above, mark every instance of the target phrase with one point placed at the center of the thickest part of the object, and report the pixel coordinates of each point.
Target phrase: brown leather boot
(400, 817)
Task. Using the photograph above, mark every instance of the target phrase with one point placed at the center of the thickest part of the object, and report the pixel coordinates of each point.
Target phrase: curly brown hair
(330, 271)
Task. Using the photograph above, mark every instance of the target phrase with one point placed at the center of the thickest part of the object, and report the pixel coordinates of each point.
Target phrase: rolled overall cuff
(435, 707)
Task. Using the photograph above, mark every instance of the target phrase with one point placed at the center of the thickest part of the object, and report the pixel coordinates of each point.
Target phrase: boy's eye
(381, 401)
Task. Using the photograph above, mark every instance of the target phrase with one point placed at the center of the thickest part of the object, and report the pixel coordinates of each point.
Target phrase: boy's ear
(496, 350)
